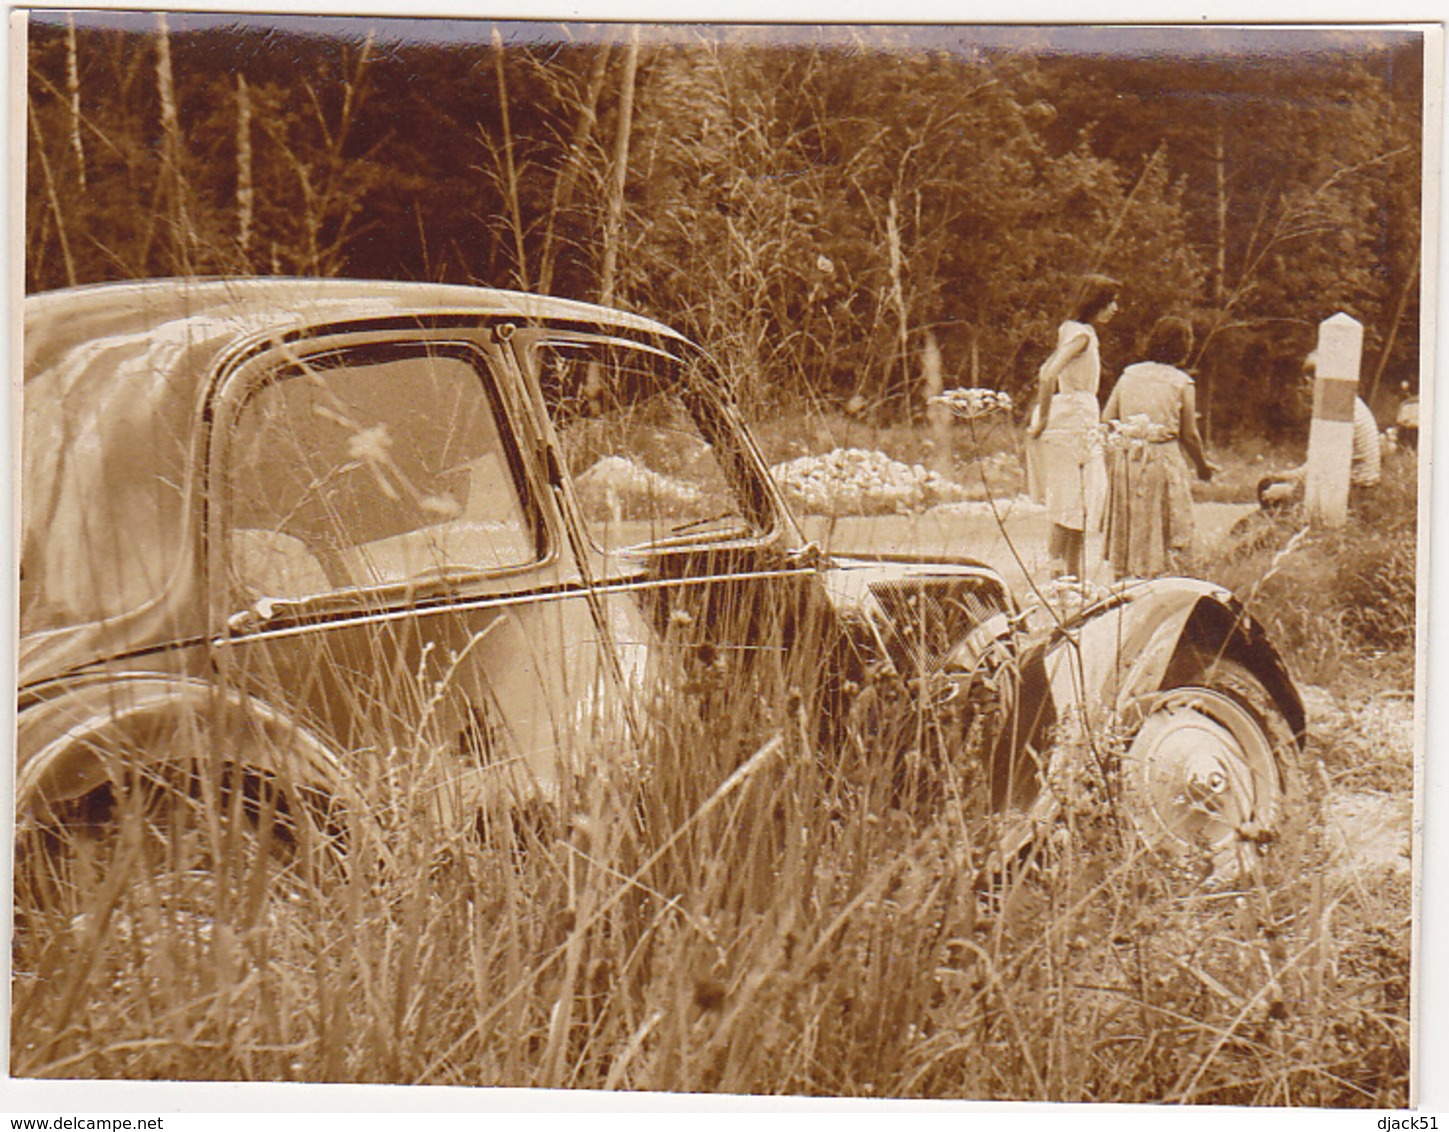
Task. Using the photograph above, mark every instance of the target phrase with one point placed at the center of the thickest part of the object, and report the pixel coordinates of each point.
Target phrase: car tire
(1212, 775)
(167, 852)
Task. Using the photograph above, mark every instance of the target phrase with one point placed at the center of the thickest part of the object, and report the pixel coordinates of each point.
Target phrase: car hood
(852, 582)
(920, 610)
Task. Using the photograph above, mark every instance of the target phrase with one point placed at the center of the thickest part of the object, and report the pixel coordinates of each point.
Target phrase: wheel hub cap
(1199, 770)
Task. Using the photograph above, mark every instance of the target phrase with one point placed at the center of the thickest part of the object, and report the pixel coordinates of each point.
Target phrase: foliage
(1341, 602)
(1296, 178)
(817, 210)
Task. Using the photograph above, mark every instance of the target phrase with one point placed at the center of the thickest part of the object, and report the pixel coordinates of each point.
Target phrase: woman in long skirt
(1065, 422)
(1152, 421)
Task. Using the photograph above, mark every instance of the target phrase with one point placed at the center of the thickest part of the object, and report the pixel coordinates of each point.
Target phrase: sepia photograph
(832, 560)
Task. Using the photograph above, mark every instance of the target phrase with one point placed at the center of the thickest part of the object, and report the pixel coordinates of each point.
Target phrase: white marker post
(938, 416)
(1330, 436)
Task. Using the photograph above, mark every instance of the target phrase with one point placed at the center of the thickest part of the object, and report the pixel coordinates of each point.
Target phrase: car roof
(114, 374)
(57, 321)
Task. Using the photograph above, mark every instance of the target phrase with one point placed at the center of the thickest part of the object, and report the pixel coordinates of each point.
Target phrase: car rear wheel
(183, 860)
(1211, 775)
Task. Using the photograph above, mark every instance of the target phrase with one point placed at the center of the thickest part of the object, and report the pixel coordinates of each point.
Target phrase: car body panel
(1088, 672)
(378, 521)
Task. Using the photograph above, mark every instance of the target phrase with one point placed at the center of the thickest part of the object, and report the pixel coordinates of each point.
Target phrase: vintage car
(277, 531)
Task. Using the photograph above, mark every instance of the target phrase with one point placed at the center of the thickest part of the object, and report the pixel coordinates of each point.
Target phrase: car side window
(371, 468)
(645, 468)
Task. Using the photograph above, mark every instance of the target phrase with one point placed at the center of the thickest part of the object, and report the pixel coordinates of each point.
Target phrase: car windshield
(653, 459)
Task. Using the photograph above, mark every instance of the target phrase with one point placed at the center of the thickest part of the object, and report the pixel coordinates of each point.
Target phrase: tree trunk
(511, 172)
(245, 195)
(72, 84)
(1220, 266)
(938, 416)
(898, 295)
(172, 181)
(1393, 332)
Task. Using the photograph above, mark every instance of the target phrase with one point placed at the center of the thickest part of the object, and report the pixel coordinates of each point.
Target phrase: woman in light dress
(1152, 421)
(1065, 422)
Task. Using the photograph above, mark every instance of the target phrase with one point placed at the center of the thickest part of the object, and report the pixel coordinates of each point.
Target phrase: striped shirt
(1364, 466)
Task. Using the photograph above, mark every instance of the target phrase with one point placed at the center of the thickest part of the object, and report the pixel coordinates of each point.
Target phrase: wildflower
(970, 404)
(370, 444)
(1135, 433)
(444, 505)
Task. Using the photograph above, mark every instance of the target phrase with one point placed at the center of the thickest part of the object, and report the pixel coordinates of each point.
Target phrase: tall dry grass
(731, 906)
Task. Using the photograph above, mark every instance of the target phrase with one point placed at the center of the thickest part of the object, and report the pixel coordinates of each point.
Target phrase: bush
(1341, 603)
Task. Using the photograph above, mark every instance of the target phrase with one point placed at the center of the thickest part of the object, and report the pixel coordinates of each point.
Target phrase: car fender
(65, 742)
(1085, 673)
(1126, 646)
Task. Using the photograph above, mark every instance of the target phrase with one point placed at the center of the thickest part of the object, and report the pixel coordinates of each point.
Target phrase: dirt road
(1009, 535)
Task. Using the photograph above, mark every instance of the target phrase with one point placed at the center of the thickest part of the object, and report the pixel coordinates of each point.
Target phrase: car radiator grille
(926, 619)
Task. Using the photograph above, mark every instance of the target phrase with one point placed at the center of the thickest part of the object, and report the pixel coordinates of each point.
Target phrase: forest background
(817, 205)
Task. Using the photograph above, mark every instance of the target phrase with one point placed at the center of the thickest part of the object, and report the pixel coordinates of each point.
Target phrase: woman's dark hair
(1098, 293)
(1170, 341)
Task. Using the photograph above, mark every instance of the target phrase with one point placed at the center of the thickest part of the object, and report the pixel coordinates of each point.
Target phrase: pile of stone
(858, 481)
(626, 489)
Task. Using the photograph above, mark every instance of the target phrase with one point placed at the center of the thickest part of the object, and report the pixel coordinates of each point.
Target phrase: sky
(1101, 39)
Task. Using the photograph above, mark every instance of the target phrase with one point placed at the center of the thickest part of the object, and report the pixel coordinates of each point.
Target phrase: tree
(809, 203)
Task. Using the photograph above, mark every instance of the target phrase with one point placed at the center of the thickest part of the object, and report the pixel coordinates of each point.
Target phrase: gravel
(859, 481)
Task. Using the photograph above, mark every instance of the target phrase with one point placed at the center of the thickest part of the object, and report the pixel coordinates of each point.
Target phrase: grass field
(725, 911)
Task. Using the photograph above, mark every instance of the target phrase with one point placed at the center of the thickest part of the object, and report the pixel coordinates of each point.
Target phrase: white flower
(1137, 431)
(370, 444)
(972, 403)
(444, 505)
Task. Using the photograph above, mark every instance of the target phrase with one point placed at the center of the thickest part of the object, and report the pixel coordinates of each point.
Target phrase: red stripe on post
(1333, 398)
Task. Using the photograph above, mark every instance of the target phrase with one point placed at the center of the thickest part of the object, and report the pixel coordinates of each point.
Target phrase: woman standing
(1152, 414)
(1065, 421)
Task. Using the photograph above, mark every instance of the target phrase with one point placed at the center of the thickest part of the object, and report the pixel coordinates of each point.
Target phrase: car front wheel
(1212, 774)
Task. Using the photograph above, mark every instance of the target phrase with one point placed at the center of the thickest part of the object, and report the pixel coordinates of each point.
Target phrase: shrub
(1341, 602)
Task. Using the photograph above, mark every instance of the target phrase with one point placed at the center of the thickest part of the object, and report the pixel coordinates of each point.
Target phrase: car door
(385, 559)
(676, 514)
